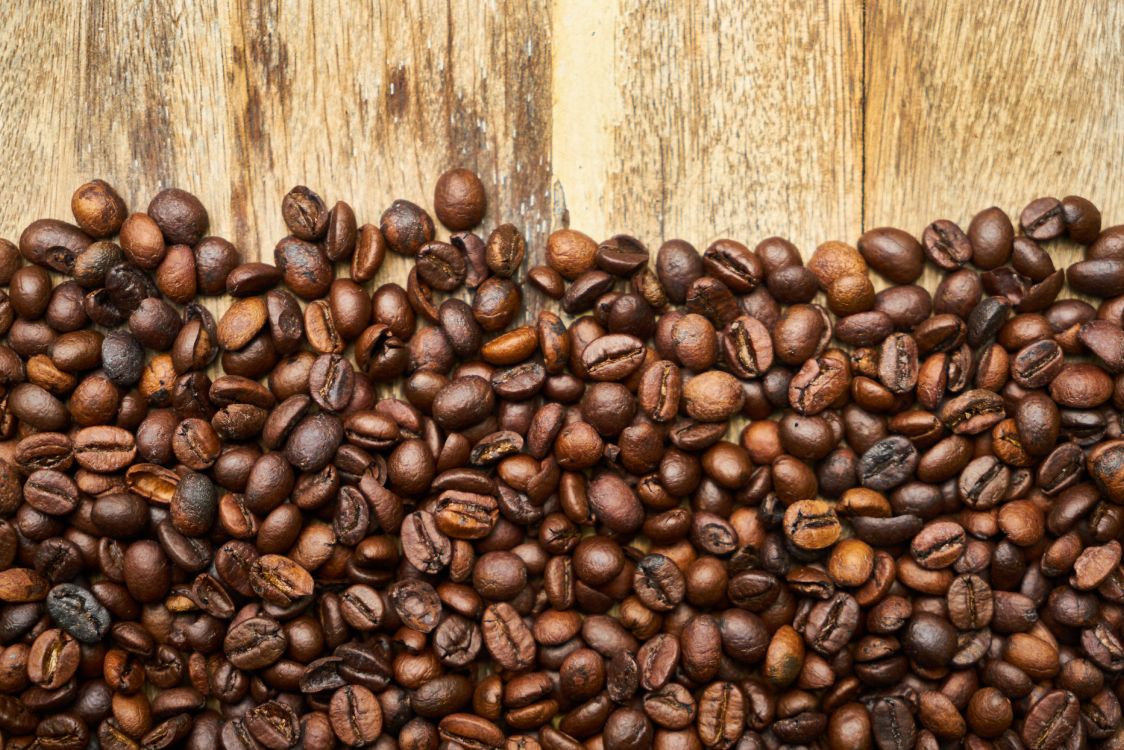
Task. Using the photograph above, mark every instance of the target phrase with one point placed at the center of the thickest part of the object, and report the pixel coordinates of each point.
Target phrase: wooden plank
(701, 120)
(239, 102)
(371, 104)
(973, 104)
(38, 119)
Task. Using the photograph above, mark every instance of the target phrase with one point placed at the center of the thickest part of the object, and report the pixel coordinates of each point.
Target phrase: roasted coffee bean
(888, 463)
(811, 524)
(984, 483)
(819, 383)
(946, 245)
(280, 581)
(893, 724)
(658, 583)
(459, 199)
(938, 545)
(1051, 721)
(831, 624)
(507, 637)
(78, 612)
(423, 543)
(355, 715)
(255, 643)
(474, 732)
(441, 266)
(921, 548)
(893, 253)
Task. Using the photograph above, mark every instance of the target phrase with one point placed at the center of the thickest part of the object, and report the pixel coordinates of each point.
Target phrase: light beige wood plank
(369, 103)
(701, 120)
(977, 104)
(239, 102)
(38, 116)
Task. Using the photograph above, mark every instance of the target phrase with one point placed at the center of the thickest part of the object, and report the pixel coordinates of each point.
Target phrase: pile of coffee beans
(708, 500)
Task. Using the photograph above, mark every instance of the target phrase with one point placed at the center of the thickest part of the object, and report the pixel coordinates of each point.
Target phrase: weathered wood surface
(971, 105)
(685, 119)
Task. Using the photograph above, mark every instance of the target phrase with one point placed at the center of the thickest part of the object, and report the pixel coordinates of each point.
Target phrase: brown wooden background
(805, 118)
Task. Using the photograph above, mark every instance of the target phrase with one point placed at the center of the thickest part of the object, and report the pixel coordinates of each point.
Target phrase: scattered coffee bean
(402, 518)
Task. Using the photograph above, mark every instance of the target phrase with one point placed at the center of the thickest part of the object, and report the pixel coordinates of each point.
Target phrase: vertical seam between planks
(862, 126)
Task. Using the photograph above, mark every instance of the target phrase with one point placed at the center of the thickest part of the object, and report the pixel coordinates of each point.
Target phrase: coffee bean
(104, 449)
(471, 731)
(1051, 721)
(441, 266)
(894, 726)
(78, 612)
(672, 707)
(22, 585)
(417, 604)
(831, 624)
(292, 515)
(818, 384)
(424, 545)
(659, 583)
(811, 524)
(893, 253)
(507, 637)
(946, 244)
(1037, 364)
(1094, 565)
(255, 643)
(355, 715)
(279, 580)
(53, 659)
(304, 267)
(613, 357)
(621, 255)
(1043, 219)
(984, 483)
(969, 602)
(274, 724)
(888, 463)
(938, 545)
(713, 396)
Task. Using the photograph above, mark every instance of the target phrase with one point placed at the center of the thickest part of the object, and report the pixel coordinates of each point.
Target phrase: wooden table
(695, 119)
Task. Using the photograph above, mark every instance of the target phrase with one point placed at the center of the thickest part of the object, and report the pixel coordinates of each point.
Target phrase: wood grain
(701, 120)
(240, 102)
(977, 104)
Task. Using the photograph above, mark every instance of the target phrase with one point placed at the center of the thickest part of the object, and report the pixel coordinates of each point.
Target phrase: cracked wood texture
(809, 119)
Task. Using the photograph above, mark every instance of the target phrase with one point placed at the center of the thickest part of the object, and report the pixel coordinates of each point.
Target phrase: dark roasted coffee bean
(946, 245)
(1051, 721)
(255, 643)
(278, 580)
(474, 732)
(424, 545)
(78, 612)
(659, 583)
(888, 463)
(894, 726)
(507, 637)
